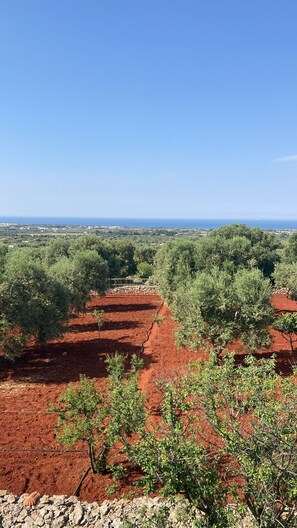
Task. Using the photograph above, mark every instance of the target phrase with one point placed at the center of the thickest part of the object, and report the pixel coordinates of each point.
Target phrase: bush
(218, 309)
(145, 270)
(252, 411)
(102, 419)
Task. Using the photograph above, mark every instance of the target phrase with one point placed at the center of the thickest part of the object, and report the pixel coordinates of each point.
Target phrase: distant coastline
(153, 223)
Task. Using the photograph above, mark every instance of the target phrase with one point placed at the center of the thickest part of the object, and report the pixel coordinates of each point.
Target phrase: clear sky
(148, 108)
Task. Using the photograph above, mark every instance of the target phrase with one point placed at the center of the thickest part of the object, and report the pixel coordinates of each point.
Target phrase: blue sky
(148, 108)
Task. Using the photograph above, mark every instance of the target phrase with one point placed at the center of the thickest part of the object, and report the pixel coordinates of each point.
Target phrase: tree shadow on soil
(112, 308)
(285, 360)
(280, 311)
(64, 362)
(107, 326)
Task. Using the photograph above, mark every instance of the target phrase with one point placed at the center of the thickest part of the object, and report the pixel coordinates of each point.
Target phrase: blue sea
(180, 223)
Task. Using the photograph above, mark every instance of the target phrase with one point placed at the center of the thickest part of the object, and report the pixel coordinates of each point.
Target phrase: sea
(174, 223)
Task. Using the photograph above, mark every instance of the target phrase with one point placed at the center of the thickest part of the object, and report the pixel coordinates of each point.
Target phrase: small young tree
(287, 325)
(102, 418)
(158, 319)
(169, 456)
(99, 316)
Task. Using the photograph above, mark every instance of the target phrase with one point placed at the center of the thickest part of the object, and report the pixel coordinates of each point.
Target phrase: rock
(45, 499)
(11, 498)
(22, 515)
(38, 521)
(49, 516)
(105, 508)
(72, 498)
(77, 514)
(116, 523)
(60, 522)
(68, 512)
(28, 523)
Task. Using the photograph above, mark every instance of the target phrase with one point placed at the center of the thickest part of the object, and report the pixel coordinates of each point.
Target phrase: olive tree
(175, 264)
(103, 419)
(262, 251)
(31, 303)
(217, 309)
(92, 269)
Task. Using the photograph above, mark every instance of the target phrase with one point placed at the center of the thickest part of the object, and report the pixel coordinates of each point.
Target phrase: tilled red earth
(30, 458)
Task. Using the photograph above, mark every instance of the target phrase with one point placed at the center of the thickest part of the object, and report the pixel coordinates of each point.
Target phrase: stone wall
(60, 511)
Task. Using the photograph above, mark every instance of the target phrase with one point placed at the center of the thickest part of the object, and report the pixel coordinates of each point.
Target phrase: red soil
(30, 458)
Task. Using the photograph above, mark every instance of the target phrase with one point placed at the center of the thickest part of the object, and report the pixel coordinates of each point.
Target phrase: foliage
(263, 248)
(102, 419)
(223, 430)
(92, 269)
(218, 309)
(287, 325)
(3, 253)
(31, 303)
(67, 272)
(99, 316)
(145, 253)
(291, 249)
(224, 253)
(56, 250)
(158, 319)
(125, 251)
(169, 455)
(145, 270)
(11, 341)
(85, 243)
(285, 276)
(174, 265)
(229, 249)
(118, 254)
(80, 275)
(252, 411)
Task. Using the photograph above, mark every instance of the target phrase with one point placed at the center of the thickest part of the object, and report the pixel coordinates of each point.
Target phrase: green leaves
(31, 302)
(285, 276)
(222, 430)
(218, 309)
(287, 325)
(253, 414)
(102, 418)
(169, 455)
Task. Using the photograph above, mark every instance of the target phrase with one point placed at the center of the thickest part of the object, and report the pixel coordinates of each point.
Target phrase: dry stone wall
(61, 511)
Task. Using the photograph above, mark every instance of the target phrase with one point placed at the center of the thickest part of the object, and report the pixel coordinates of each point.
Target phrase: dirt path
(164, 360)
(149, 346)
